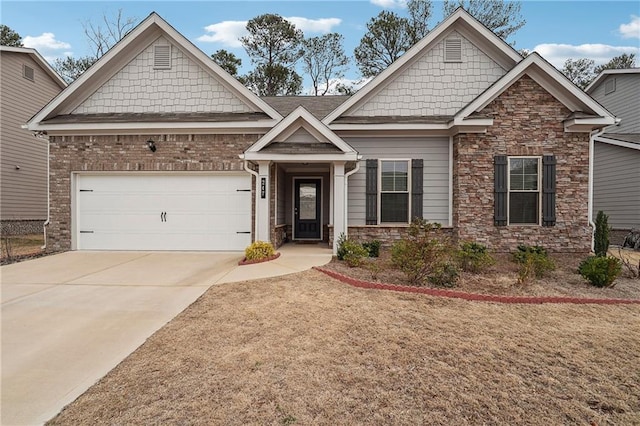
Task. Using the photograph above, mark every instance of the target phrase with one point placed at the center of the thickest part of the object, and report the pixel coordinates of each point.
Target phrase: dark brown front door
(307, 224)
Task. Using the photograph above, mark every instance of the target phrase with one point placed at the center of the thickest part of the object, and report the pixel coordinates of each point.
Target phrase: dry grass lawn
(306, 349)
(20, 246)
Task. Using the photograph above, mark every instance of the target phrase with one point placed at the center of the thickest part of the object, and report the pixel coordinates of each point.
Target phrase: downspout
(255, 174)
(46, 222)
(346, 194)
(592, 138)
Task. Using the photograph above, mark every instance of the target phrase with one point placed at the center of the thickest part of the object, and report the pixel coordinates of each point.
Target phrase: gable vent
(162, 57)
(28, 72)
(453, 50)
(610, 86)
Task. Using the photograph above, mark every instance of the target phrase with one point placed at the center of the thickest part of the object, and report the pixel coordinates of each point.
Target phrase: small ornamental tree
(601, 238)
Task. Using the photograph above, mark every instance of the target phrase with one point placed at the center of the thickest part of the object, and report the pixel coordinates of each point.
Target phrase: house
(27, 83)
(616, 171)
(155, 147)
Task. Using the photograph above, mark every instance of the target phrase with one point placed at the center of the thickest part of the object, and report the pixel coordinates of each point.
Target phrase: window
(394, 191)
(453, 50)
(524, 190)
(28, 72)
(610, 86)
(162, 57)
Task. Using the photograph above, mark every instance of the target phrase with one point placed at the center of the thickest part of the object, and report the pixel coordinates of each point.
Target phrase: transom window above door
(394, 191)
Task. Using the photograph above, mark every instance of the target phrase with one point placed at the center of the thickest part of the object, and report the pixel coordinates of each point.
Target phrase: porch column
(262, 202)
(339, 205)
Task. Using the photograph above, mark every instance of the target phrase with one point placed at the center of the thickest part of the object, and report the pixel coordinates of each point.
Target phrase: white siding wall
(624, 103)
(138, 88)
(301, 136)
(616, 190)
(432, 87)
(24, 191)
(434, 152)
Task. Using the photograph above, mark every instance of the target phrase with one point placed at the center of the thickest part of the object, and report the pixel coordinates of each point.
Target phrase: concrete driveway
(68, 319)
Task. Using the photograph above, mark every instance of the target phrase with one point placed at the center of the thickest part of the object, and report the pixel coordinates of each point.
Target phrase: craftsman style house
(157, 148)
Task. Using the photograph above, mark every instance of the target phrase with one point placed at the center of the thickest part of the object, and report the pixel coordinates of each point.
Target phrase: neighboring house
(155, 147)
(27, 83)
(616, 171)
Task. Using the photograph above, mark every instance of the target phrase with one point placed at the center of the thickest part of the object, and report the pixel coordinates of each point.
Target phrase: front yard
(307, 349)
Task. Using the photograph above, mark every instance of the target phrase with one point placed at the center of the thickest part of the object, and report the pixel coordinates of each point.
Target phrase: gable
(431, 86)
(140, 87)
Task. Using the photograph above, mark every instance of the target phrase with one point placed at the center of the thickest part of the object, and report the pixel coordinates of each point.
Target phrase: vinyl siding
(624, 103)
(282, 196)
(616, 189)
(435, 154)
(23, 191)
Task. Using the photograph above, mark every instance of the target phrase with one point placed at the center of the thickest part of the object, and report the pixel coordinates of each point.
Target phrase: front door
(307, 223)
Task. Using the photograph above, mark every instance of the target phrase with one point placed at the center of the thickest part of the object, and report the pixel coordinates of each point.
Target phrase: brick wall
(527, 121)
(175, 153)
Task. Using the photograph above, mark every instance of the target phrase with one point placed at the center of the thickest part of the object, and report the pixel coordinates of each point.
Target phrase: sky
(557, 30)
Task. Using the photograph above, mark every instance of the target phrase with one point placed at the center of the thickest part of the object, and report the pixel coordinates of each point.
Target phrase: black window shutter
(500, 190)
(548, 190)
(371, 201)
(416, 188)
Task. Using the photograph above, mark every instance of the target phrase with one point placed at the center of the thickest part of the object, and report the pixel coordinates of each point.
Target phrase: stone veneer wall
(527, 121)
(387, 235)
(175, 153)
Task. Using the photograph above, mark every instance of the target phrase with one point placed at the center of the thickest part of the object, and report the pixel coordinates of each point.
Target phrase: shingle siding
(432, 87)
(435, 154)
(616, 185)
(138, 87)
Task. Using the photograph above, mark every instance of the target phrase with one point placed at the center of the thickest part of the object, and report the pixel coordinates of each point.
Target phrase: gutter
(46, 222)
(346, 194)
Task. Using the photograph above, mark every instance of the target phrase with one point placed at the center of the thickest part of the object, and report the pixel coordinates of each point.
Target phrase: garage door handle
(163, 216)
(243, 232)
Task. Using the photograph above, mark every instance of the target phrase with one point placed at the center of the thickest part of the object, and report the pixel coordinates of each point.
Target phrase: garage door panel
(161, 212)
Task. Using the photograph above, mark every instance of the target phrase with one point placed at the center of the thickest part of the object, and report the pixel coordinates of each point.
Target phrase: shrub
(600, 271)
(444, 274)
(259, 250)
(474, 257)
(354, 253)
(419, 253)
(373, 247)
(601, 236)
(341, 250)
(533, 261)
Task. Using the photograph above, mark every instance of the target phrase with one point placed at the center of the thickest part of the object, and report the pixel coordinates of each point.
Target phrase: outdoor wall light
(152, 145)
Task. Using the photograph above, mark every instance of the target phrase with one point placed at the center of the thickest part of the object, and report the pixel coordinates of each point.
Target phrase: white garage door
(163, 212)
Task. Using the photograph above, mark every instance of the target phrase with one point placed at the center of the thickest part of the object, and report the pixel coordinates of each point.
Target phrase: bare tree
(108, 31)
(324, 60)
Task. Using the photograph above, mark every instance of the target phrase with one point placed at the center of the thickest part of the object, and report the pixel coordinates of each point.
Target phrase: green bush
(533, 261)
(600, 271)
(373, 247)
(259, 250)
(444, 274)
(421, 251)
(474, 257)
(601, 236)
(350, 251)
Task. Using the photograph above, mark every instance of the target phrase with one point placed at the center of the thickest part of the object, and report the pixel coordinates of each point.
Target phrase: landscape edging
(244, 260)
(473, 296)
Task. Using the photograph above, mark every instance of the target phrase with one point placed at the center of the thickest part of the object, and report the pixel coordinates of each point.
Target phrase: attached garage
(145, 211)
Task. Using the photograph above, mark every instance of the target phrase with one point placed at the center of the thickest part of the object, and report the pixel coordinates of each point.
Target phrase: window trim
(539, 190)
(380, 191)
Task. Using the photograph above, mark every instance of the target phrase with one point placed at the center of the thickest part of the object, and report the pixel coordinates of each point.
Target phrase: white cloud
(557, 54)
(356, 84)
(45, 42)
(632, 29)
(227, 33)
(317, 26)
(390, 4)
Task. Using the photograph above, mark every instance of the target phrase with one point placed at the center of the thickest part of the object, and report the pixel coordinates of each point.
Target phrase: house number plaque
(263, 187)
